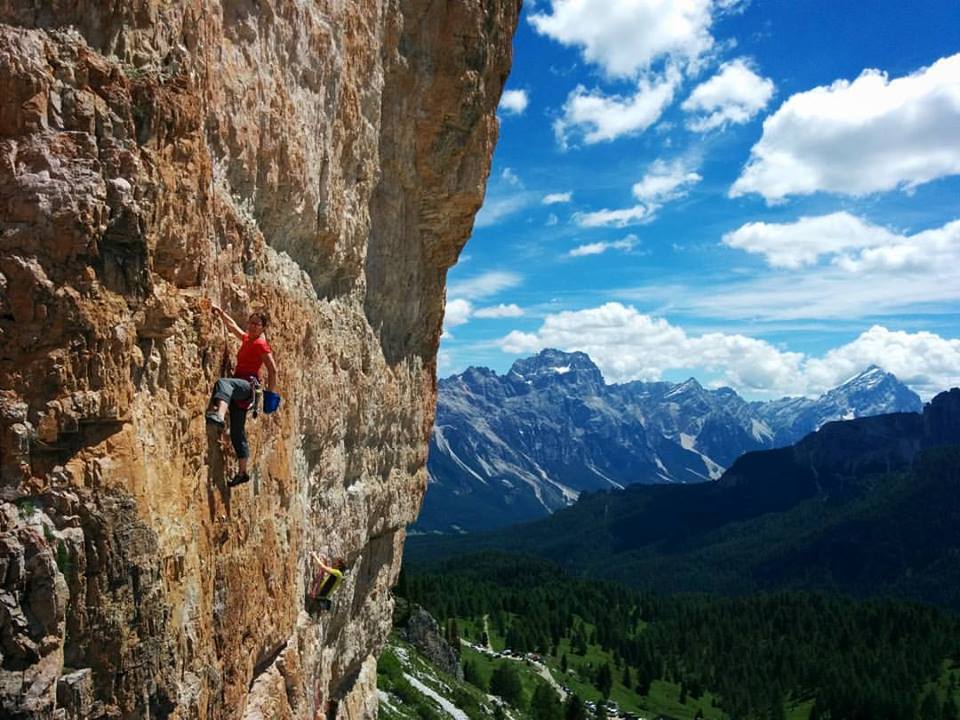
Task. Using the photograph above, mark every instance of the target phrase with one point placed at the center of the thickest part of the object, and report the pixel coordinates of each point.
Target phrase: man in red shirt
(236, 393)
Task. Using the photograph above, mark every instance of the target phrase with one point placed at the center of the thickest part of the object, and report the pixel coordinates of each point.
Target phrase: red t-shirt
(250, 356)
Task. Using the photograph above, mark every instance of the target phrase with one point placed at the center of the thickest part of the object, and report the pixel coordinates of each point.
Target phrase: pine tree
(777, 711)
(950, 710)
(545, 705)
(930, 707)
(472, 675)
(575, 709)
(505, 682)
(605, 680)
(453, 634)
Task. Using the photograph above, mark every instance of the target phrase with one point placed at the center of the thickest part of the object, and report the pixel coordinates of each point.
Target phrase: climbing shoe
(238, 479)
(215, 419)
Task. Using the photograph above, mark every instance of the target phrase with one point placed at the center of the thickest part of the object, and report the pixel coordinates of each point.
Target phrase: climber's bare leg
(219, 407)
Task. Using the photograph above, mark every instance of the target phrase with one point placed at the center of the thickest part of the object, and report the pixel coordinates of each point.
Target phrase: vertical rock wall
(322, 159)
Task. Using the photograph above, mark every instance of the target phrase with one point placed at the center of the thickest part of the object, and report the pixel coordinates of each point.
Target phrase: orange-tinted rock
(323, 160)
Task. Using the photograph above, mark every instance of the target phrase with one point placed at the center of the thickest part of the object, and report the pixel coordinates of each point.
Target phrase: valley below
(816, 580)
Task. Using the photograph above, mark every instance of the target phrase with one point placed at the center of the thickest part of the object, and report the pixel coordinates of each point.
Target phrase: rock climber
(325, 582)
(236, 393)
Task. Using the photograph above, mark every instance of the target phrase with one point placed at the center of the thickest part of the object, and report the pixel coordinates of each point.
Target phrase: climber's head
(339, 563)
(257, 323)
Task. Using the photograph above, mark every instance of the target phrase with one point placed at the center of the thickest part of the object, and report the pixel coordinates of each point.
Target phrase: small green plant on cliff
(133, 73)
(64, 563)
(26, 507)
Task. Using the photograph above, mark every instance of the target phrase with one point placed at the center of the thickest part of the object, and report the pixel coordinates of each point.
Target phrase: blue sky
(764, 195)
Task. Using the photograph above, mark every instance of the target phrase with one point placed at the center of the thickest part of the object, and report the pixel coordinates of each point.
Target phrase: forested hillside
(779, 655)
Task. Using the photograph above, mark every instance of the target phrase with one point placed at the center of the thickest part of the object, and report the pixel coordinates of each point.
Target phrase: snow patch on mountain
(760, 430)
(444, 447)
(714, 471)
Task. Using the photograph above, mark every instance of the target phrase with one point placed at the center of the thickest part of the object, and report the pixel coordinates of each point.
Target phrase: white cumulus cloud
(629, 345)
(625, 37)
(555, 198)
(925, 361)
(457, 312)
(499, 311)
(613, 218)
(484, 285)
(665, 181)
(596, 117)
(852, 245)
(598, 248)
(514, 102)
(793, 245)
(928, 252)
(833, 267)
(869, 135)
(733, 96)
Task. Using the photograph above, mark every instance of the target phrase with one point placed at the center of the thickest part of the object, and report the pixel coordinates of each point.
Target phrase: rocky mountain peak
(870, 377)
(514, 447)
(551, 366)
(870, 388)
(688, 388)
(477, 377)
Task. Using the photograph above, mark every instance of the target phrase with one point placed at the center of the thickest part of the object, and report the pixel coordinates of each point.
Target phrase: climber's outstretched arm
(228, 321)
(319, 561)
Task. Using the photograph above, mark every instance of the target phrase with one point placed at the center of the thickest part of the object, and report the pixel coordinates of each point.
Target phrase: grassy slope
(663, 698)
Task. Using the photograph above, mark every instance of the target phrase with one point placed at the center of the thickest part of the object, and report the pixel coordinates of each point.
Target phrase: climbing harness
(253, 404)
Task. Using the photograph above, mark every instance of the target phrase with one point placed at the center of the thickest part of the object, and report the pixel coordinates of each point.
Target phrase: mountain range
(869, 506)
(507, 449)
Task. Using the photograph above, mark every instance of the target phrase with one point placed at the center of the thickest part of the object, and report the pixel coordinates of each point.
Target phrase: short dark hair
(262, 316)
(339, 563)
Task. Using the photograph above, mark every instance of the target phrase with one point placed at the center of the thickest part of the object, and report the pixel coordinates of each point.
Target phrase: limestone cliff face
(319, 158)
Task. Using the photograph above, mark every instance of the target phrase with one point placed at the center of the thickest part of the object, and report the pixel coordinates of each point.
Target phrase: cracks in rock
(74, 550)
(46, 457)
(266, 661)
